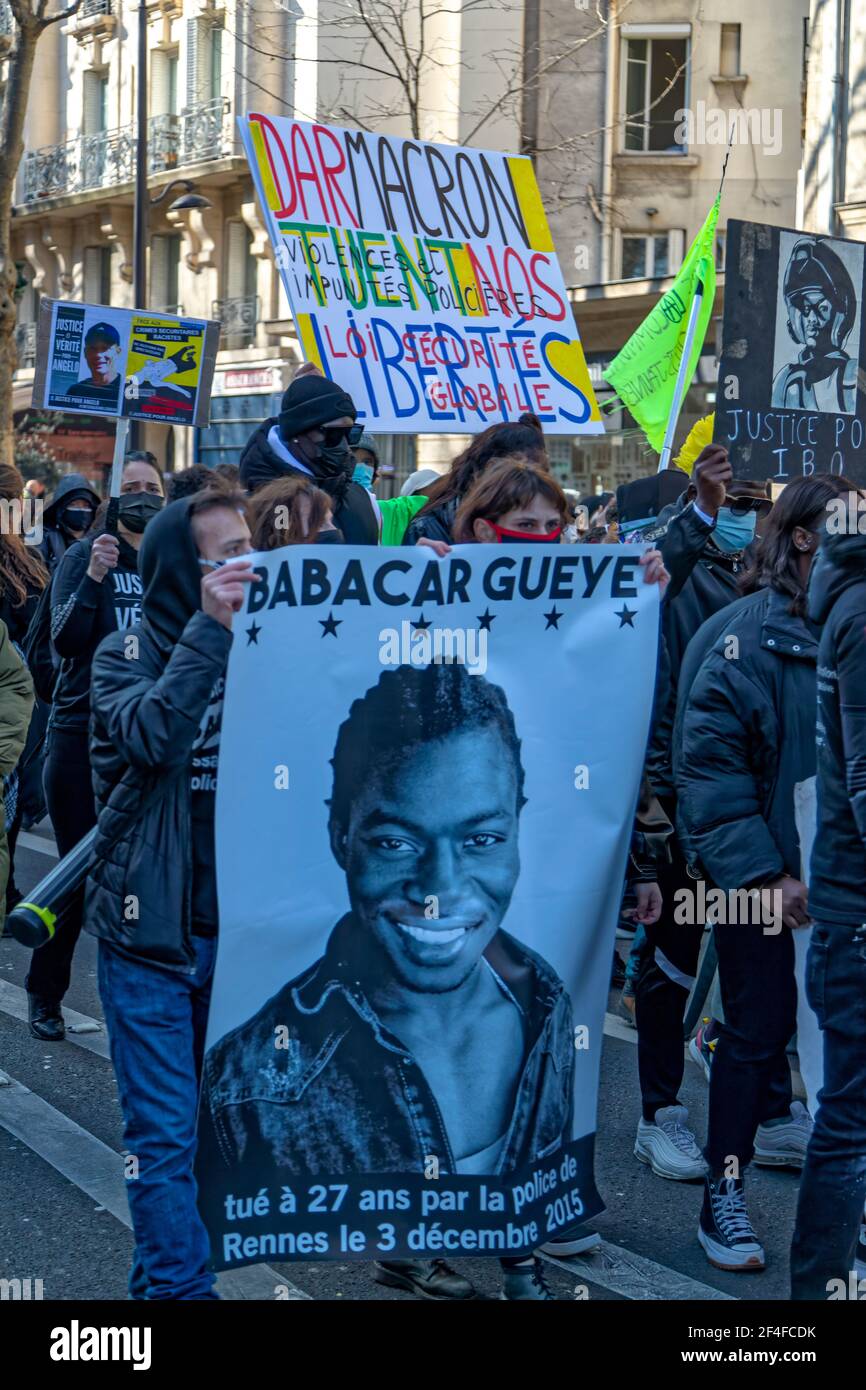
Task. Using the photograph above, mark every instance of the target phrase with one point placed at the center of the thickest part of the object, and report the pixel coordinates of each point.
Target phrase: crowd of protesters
(763, 617)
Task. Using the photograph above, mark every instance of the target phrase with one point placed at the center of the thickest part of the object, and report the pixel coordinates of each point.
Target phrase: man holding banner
(151, 893)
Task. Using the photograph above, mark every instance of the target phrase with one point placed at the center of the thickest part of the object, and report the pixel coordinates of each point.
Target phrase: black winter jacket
(84, 611)
(353, 509)
(435, 523)
(743, 738)
(703, 580)
(145, 718)
(837, 598)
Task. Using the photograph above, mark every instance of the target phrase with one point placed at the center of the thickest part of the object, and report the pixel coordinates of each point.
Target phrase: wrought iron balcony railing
(92, 7)
(25, 344)
(238, 318)
(105, 160)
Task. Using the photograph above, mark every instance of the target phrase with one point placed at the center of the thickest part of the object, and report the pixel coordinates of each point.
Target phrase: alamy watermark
(22, 517)
(739, 907)
(711, 125)
(423, 645)
(17, 1290)
(846, 516)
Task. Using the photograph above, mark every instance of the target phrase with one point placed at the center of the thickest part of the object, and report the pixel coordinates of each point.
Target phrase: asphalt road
(68, 1230)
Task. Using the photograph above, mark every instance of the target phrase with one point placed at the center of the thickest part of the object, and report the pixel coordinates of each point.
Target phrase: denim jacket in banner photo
(346, 1096)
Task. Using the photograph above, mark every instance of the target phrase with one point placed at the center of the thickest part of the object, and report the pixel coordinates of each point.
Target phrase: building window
(238, 311)
(650, 256)
(165, 274)
(163, 82)
(729, 51)
(204, 41)
(95, 113)
(655, 90)
(97, 274)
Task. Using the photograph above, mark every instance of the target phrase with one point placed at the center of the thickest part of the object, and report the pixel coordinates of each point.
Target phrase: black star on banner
(330, 625)
(485, 619)
(253, 635)
(553, 618)
(626, 616)
(421, 624)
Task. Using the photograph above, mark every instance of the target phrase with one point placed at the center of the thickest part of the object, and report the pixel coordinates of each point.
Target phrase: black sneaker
(525, 1283)
(725, 1231)
(427, 1278)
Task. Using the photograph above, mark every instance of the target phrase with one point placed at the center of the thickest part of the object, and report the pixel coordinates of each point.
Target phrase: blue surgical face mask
(734, 533)
(363, 474)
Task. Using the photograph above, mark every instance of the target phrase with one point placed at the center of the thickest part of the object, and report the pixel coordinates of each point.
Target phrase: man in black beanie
(311, 437)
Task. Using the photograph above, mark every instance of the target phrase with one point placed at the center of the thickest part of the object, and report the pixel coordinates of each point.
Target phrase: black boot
(427, 1278)
(46, 1020)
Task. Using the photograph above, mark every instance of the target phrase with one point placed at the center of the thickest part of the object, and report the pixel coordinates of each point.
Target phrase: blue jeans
(834, 1177)
(156, 1026)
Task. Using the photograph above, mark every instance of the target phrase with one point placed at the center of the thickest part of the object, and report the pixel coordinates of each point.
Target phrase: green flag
(644, 371)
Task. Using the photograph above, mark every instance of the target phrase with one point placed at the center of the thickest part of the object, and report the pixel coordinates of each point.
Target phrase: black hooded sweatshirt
(837, 599)
(154, 728)
(55, 540)
(84, 611)
(352, 506)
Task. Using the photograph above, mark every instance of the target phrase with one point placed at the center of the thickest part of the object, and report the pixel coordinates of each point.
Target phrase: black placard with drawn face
(790, 398)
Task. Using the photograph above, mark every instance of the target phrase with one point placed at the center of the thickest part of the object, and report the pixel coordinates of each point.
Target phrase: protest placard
(790, 401)
(417, 873)
(422, 277)
(127, 363)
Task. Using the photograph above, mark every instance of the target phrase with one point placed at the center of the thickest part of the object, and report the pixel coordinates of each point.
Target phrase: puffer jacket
(145, 713)
(703, 580)
(837, 599)
(743, 738)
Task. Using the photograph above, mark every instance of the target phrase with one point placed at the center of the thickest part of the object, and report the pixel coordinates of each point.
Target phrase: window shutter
(216, 62)
(192, 62)
(236, 260)
(92, 113)
(159, 82)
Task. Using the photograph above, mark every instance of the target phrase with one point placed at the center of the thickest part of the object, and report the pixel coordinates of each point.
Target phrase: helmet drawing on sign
(820, 297)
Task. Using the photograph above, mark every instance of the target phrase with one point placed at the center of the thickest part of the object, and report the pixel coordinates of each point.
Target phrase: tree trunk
(12, 145)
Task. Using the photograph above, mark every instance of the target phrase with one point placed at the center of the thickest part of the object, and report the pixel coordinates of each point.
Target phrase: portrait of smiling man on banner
(424, 1029)
(102, 353)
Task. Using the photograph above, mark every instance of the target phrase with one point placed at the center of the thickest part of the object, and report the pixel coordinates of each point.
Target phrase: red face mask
(507, 537)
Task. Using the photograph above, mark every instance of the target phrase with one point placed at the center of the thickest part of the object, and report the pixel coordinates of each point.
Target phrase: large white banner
(422, 277)
(427, 778)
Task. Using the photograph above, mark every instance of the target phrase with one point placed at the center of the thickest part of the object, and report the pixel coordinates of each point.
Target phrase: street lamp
(187, 202)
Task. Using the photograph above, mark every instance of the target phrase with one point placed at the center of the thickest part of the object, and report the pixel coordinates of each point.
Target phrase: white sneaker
(669, 1146)
(783, 1143)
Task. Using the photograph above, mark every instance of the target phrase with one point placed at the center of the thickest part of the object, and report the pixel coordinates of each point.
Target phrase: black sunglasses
(334, 435)
(741, 506)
